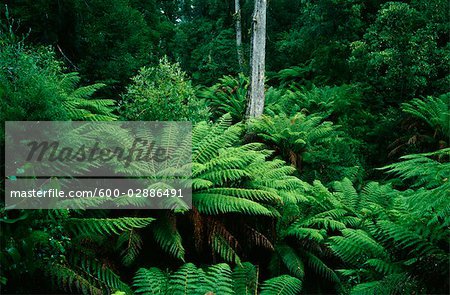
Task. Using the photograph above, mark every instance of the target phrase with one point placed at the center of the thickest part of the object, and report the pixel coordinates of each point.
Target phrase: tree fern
(80, 106)
(229, 178)
(399, 234)
(317, 235)
(304, 229)
(422, 168)
(227, 96)
(348, 194)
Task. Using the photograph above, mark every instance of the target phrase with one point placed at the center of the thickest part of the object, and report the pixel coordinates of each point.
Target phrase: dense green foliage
(151, 98)
(341, 187)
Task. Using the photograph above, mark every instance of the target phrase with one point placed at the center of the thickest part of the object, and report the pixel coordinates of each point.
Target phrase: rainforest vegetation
(340, 186)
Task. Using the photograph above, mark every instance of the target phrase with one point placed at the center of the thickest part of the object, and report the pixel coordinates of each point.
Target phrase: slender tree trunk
(238, 17)
(255, 100)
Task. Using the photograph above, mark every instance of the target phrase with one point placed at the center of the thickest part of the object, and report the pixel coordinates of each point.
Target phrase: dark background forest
(340, 187)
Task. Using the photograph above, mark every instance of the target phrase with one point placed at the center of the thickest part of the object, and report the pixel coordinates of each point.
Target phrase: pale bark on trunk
(238, 18)
(256, 97)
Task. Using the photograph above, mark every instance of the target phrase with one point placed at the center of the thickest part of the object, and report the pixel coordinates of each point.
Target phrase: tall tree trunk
(255, 100)
(238, 17)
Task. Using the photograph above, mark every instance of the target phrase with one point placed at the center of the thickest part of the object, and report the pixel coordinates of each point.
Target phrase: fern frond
(107, 226)
(222, 247)
(282, 285)
(131, 242)
(316, 235)
(168, 237)
(325, 223)
(66, 278)
(150, 281)
(432, 110)
(422, 168)
(383, 267)
(214, 204)
(245, 279)
(218, 279)
(404, 238)
(103, 274)
(187, 280)
(347, 193)
(392, 284)
(249, 194)
(356, 246)
(320, 267)
(291, 260)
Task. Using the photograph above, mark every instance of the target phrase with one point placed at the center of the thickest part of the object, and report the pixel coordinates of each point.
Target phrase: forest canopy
(340, 186)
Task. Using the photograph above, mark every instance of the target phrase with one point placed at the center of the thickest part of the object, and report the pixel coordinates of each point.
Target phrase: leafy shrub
(161, 93)
(398, 53)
